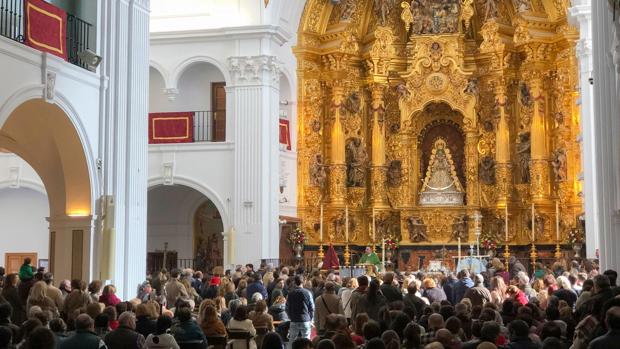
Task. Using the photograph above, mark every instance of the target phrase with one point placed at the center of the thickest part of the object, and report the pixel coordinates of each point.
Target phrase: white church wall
(23, 230)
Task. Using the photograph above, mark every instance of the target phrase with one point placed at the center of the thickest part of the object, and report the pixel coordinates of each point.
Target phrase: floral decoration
(489, 241)
(391, 244)
(575, 236)
(296, 237)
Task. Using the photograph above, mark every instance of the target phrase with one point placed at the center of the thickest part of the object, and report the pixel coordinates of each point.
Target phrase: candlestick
(374, 236)
(558, 251)
(533, 256)
(346, 223)
(321, 226)
(557, 220)
(347, 255)
(533, 223)
(459, 243)
(321, 253)
(507, 257)
(506, 223)
(382, 254)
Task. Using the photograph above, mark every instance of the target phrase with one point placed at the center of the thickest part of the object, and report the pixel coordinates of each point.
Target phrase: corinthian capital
(254, 70)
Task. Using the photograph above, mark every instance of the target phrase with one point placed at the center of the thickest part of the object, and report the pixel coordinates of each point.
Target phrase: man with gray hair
(478, 294)
(85, 336)
(125, 336)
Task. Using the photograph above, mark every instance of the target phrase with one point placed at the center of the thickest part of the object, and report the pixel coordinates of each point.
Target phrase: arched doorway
(184, 229)
(45, 136)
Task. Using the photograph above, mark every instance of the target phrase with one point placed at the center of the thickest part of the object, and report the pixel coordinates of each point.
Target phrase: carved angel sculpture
(318, 176)
(459, 228)
(486, 170)
(357, 159)
(559, 165)
(524, 155)
(417, 229)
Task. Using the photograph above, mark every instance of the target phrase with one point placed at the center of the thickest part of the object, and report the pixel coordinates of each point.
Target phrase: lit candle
(506, 223)
(374, 236)
(533, 223)
(557, 220)
(346, 223)
(321, 225)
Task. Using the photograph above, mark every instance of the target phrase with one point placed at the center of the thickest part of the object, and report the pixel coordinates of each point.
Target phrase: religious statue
(441, 186)
(523, 5)
(402, 91)
(382, 10)
(348, 9)
(472, 87)
(417, 229)
(559, 165)
(490, 9)
(525, 94)
(339, 227)
(558, 117)
(459, 228)
(486, 170)
(524, 155)
(394, 173)
(357, 160)
(353, 103)
(431, 16)
(318, 175)
(316, 126)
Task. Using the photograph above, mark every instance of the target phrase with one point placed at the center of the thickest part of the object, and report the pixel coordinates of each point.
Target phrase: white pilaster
(580, 15)
(124, 133)
(255, 94)
(605, 136)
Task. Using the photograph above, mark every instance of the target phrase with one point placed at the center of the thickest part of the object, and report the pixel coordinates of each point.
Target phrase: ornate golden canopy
(381, 80)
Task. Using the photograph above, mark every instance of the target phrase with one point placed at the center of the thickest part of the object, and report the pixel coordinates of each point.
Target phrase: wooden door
(218, 106)
(13, 261)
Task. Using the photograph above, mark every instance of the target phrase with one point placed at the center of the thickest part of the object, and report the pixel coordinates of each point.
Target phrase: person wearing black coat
(391, 293)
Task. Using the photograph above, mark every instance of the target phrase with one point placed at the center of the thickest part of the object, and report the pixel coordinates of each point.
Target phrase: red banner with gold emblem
(285, 134)
(45, 27)
(171, 127)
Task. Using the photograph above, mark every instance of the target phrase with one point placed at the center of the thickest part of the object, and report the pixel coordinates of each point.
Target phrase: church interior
(195, 134)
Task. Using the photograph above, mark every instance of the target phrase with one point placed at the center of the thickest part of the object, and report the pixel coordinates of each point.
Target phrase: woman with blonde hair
(241, 288)
(38, 296)
(222, 309)
(498, 290)
(432, 292)
(345, 294)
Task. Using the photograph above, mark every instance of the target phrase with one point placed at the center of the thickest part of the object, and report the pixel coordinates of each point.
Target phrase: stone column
(539, 163)
(124, 31)
(255, 94)
(580, 14)
(377, 170)
(503, 166)
(70, 250)
(338, 168)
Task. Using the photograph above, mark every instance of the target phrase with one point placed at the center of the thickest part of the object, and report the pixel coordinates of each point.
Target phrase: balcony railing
(209, 126)
(12, 27)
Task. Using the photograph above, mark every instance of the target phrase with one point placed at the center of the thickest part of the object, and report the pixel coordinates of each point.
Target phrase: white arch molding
(181, 67)
(209, 194)
(35, 91)
(24, 183)
(162, 71)
(201, 188)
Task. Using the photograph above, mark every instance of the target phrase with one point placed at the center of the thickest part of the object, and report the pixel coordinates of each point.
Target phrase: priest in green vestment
(370, 257)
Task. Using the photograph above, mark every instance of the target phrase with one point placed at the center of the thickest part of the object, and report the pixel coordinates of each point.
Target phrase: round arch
(180, 69)
(32, 94)
(162, 71)
(204, 190)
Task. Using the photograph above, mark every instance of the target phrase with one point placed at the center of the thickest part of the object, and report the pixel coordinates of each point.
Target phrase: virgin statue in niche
(441, 186)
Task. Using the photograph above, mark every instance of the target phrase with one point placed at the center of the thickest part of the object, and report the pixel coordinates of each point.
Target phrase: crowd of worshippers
(274, 308)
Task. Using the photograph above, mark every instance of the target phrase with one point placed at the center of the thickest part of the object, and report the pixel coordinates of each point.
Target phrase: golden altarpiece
(422, 115)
